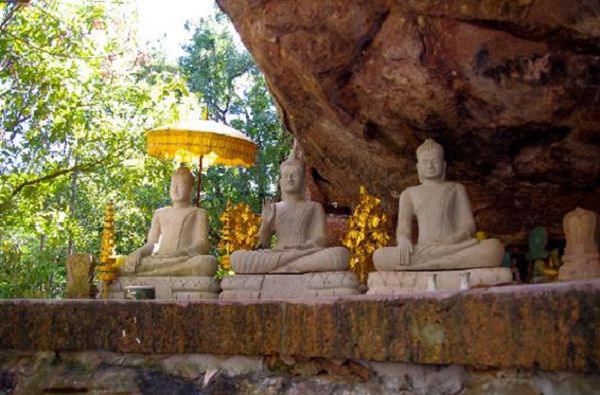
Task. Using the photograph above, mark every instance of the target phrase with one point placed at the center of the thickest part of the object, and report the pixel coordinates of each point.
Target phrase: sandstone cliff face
(511, 89)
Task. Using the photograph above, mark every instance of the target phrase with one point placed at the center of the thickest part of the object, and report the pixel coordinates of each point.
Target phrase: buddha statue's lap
(182, 234)
(199, 265)
(301, 231)
(445, 221)
(469, 254)
(173, 265)
(270, 261)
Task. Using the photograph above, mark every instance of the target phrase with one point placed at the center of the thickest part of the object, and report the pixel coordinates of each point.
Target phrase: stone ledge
(552, 327)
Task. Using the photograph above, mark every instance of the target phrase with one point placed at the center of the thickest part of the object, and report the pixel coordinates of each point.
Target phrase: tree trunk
(72, 208)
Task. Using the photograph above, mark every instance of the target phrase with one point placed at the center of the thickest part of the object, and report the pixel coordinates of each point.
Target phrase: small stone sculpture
(80, 273)
(182, 234)
(300, 226)
(581, 259)
(537, 243)
(540, 268)
(445, 220)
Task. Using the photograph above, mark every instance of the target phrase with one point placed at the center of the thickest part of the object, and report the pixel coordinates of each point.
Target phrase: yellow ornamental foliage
(367, 231)
(353, 234)
(362, 217)
(108, 235)
(225, 263)
(107, 271)
(360, 238)
(239, 231)
(374, 222)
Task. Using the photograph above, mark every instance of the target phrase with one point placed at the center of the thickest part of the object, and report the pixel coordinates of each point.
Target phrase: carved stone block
(447, 280)
(189, 287)
(289, 286)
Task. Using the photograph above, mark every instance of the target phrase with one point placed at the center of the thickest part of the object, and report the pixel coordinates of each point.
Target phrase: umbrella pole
(199, 182)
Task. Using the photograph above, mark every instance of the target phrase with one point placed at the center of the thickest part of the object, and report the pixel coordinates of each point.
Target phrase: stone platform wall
(515, 339)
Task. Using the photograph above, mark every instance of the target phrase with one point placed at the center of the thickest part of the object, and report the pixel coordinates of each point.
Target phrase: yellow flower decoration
(239, 231)
(367, 231)
(107, 271)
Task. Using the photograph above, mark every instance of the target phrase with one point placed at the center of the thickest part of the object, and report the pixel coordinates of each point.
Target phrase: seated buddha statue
(301, 229)
(181, 232)
(445, 222)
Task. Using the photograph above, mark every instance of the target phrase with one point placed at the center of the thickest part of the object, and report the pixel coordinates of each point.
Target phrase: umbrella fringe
(187, 146)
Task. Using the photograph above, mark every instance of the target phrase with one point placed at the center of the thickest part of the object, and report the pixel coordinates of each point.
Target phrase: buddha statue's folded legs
(198, 265)
(290, 261)
(465, 255)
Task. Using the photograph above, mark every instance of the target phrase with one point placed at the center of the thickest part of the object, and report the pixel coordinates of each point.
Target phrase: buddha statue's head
(430, 161)
(182, 185)
(292, 176)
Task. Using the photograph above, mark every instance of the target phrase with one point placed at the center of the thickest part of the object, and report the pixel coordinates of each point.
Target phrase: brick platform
(552, 327)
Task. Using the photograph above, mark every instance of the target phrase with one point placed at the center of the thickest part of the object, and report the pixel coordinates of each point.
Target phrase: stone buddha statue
(300, 226)
(181, 232)
(445, 221)
(581, 258)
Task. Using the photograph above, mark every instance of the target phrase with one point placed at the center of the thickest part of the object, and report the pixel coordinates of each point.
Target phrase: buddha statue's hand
(268, 211)
(404, 250)
(132, 262)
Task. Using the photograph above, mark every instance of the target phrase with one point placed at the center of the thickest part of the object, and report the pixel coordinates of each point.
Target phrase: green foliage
(223, 74)
(76, 96)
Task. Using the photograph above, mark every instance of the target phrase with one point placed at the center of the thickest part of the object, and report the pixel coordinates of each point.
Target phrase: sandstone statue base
(447, 280)
(289, 286)
(184, 288)
(580, 267)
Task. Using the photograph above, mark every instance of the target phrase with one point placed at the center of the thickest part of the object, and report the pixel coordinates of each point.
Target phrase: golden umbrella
(205, 141)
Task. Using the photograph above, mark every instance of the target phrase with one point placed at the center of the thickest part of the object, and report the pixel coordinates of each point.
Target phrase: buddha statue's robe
(446, 227)
(183, 249)
(300, 246)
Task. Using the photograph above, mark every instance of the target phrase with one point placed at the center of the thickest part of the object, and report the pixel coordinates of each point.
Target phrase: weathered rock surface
(94, 372)
(510, 88)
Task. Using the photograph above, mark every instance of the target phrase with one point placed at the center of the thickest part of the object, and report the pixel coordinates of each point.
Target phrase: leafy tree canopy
(76, 95)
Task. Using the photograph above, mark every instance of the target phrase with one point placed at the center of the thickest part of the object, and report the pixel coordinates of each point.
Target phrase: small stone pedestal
(289, 286)
(446, 280)
(185, 288)
(580, 267)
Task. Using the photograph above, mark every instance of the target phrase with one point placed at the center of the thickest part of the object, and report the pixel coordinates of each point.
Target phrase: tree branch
(8, 17)
(77, 167)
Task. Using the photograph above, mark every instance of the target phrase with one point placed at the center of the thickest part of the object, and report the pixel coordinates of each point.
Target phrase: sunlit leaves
(75, 103)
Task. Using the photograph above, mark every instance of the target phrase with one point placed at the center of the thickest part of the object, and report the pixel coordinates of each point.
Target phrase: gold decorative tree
(367, 231)
(107, 272)
(239, 231)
